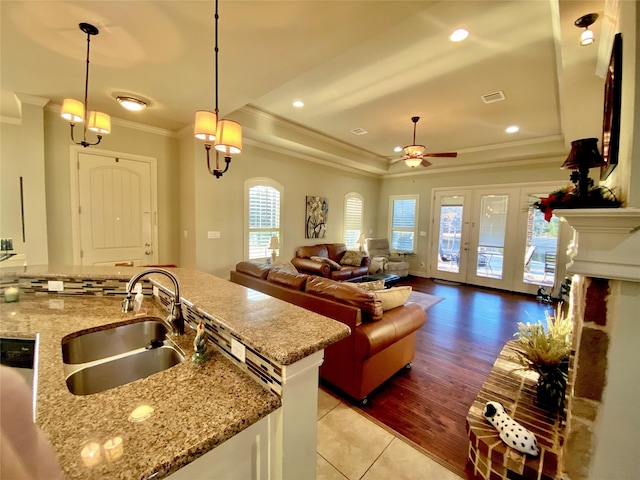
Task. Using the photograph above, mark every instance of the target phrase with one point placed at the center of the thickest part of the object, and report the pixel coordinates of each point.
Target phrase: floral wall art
(316, 217)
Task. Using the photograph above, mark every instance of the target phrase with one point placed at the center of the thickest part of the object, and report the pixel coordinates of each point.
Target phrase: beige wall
(423, 184)
(22, 154)
(220, 203)
(123, 139)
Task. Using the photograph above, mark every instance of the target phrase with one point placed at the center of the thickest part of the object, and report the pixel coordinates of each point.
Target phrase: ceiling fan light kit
(414, 154)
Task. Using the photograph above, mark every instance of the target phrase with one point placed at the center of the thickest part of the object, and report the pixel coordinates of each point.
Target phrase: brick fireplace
(603, 419)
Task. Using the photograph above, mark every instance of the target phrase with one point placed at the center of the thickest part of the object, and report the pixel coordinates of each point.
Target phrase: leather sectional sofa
(381, 342)
(308, 260)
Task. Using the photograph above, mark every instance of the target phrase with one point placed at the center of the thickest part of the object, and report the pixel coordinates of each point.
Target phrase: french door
(491, 237)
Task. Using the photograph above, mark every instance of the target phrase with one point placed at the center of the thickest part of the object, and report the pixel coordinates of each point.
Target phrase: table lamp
(583, 156)
(360, 241)
(274, 245)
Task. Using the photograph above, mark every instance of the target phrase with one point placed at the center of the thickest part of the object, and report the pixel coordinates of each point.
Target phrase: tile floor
(352, 447)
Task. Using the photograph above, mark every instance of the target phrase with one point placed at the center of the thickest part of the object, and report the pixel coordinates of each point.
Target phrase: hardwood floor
(455, 351)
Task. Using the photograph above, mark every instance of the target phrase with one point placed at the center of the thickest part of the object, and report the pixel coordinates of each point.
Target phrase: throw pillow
(393, 297)
(334, 265)
(371, 286)
(286, 266)
(352, 257)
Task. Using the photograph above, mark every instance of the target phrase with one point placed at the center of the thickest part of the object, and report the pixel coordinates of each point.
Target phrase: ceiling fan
(414, 155)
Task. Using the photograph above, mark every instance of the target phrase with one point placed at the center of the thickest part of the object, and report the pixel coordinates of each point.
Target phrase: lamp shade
(584, 154)
(205, 125)
(99, 122)
(228, 137)
(360, 240)
(274, 244)
(412, 162)
(587, 37)
(72, 110)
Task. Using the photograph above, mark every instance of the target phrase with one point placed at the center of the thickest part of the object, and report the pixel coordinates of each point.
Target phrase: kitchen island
(196, 407)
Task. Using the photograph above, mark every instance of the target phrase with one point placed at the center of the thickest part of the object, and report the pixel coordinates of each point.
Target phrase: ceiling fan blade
(425, 163)
(444, 154)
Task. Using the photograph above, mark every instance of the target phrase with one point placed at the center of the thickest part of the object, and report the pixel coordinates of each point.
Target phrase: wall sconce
(225, 135)
(273, 246)
(75, 111)
(584, 22)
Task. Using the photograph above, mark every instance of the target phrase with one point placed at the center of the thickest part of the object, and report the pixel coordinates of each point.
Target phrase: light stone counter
(196, 406)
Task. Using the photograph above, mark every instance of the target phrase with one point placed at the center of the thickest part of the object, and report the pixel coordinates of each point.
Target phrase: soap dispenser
(137, 302)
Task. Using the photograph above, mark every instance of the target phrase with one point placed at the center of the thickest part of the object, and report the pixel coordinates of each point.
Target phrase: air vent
(359, 131)
(493, 97)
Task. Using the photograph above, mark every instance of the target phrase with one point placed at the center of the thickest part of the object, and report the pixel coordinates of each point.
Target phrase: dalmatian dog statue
(511, 432)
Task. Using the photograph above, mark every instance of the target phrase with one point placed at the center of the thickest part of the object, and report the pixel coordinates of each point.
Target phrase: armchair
(380, 254)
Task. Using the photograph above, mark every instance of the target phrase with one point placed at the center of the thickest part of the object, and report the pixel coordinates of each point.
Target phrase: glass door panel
(449, 248)
(541, 249)
(492, 227)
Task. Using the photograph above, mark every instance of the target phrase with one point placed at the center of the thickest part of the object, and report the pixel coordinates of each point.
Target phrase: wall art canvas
(316, 217)
(612, 107)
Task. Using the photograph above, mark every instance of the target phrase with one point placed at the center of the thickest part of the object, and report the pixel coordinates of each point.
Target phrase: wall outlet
(238, 350)
(213, 234)
(156, 291)
(55, 285)
(423, 234)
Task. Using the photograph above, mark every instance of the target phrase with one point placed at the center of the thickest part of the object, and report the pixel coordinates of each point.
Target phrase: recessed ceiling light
(131, 103)
(512, 129)
(459, 35)
(298, 104)
(397, 149)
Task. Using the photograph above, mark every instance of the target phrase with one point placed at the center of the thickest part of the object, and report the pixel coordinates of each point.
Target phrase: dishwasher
(20, 352)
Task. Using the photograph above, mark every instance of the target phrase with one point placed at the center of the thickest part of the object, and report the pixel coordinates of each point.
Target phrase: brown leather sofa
(333, 268)
(381, 342)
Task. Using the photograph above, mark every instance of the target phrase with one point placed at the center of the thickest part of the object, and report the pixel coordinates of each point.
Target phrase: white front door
(115, 210)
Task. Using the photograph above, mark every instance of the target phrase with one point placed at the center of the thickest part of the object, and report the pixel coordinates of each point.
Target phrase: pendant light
(225, 135)
(75, 111)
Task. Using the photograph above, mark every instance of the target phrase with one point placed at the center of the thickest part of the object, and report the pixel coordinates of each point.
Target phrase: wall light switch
(213, 234)
(238, 350)
(185, 234)
(55, 285)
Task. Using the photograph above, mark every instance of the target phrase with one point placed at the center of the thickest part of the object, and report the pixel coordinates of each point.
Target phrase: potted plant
(545, 349)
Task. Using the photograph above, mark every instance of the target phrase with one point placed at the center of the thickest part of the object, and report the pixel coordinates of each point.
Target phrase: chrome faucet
(174, 320)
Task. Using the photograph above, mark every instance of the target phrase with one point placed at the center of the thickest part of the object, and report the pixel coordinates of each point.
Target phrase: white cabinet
(243, 457)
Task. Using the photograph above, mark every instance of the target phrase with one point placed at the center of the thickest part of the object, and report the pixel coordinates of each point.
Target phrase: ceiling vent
(493, 97)
(359, 131)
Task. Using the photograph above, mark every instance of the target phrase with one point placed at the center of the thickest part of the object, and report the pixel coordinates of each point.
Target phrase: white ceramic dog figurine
(511, 432)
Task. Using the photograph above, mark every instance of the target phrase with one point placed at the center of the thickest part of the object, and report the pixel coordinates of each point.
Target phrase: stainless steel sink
(115, 371)
(91, 346)
(100, 360)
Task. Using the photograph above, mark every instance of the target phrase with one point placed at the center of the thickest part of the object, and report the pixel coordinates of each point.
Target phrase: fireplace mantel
(606, 243)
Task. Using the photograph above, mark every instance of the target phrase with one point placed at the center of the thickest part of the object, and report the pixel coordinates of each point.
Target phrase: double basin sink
(100, 360)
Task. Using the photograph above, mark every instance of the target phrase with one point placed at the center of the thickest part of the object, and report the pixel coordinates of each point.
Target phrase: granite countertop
(196, 406)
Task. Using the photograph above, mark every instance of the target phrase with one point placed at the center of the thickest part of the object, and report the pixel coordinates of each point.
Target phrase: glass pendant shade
(412, 162)
(414, 150)
(228, 137)
(205, 126)
(587, 37)
(99, 122)
(72, 110)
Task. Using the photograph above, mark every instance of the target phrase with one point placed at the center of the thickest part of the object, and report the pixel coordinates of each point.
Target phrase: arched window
(353, 218)
(263, 213)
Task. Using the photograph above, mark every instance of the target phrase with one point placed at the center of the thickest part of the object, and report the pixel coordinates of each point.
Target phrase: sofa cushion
(353, 258)
(255, 269)
(371, 286)
(348, 293)
(335, 251)
(393, 297)
(312, 251)
(334, 265)
(295, 281)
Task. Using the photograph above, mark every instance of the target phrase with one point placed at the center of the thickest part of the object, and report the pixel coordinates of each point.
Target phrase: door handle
(148, 252)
